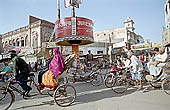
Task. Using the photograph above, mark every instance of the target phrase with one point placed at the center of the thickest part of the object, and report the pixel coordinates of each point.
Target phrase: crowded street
(84, 54)
(99, 98)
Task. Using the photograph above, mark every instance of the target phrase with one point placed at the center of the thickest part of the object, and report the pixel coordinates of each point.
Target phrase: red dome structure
(74, 30)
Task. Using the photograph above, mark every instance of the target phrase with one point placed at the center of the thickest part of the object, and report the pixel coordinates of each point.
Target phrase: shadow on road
(99, 95)
(36, 105)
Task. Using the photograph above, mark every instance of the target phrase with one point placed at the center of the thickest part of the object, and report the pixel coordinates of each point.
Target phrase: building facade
(31, 36)
(166, 30)
(37, 33)
(124, 34)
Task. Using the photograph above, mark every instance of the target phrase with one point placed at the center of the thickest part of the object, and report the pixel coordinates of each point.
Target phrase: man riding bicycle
(21, 71)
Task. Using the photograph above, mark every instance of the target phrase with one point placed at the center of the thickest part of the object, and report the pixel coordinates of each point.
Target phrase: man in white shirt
(126, 61)
(137, 68)
(158, 62)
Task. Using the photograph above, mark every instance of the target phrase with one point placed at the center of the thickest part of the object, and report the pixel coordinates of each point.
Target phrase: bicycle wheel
(166, 85)
(109, 81)
(96, 79)
(64, 95)
(120, 85)
(155, 84)
(6, 99)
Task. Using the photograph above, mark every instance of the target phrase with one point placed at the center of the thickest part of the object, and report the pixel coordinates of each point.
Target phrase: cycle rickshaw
(64, 94)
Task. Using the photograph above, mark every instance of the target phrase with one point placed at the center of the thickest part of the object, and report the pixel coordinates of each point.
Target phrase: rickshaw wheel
(64, 95)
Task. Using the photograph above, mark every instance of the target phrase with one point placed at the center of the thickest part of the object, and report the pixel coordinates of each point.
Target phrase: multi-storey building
(29, 38)
(124, 35)
(32, 35)
(38, 32)
(166, 30)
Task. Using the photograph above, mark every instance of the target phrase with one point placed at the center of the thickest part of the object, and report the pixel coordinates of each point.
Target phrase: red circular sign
(71, 26)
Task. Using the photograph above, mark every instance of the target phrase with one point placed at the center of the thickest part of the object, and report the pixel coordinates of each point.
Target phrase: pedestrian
(136, 67)
(126, 61)
(89, 59)
(21, 71)
(89, 56)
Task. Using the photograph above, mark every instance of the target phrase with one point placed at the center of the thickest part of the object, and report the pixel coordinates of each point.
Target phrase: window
(99, 52)
(17, 42)
(6, 43)
(26, 40)
(22, 42)
(10, 42)
(13, 42)
(81, 52)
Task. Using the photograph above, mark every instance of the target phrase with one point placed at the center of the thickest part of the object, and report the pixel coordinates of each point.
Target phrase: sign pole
(58, 6)
(73, 11)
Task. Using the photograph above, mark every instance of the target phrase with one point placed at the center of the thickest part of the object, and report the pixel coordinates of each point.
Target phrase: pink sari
(57, 63)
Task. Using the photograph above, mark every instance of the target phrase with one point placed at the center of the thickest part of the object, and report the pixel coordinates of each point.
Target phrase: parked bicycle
(78, 75)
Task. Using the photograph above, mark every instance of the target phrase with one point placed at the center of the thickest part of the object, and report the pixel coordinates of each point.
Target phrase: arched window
(47, 36)
(26, 40)
(13, 42)
(35, 39)
(10, 42)
(22, 42)
(6, 43)
(3, 45)
(17, 42)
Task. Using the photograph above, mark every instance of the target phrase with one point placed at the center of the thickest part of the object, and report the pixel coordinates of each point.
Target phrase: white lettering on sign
(64, 24)
(74, 26)
(69, 23)
(83, 23)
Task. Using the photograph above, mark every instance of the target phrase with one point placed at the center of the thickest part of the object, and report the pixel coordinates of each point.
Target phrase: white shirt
(126, 63)
(136, 64)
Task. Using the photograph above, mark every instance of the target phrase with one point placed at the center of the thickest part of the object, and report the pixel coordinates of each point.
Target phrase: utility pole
(58, 6)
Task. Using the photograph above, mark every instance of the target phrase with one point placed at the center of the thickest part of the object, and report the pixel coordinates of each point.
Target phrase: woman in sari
(56, 67)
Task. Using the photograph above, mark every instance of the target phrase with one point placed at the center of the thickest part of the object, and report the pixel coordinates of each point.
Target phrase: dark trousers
(40, 76)
(22, 82)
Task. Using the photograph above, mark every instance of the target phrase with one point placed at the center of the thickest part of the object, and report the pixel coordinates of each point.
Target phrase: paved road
(99, 98)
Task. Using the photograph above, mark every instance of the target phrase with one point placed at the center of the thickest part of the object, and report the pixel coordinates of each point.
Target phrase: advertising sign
(71, 26)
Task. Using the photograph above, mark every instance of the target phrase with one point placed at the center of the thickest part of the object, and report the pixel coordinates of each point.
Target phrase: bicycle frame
(11, 87)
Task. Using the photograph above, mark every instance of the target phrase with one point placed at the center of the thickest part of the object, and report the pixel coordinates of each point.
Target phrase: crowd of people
(154, 62)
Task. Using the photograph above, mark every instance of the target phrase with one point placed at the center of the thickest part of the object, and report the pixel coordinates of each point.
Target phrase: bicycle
(116, 81)
(78, 75)
(111, 76)
(166, 84)
(7, 97)
(13, 85)
(120, 83)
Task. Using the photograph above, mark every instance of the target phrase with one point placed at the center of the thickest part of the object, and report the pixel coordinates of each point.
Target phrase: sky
(148, 15)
